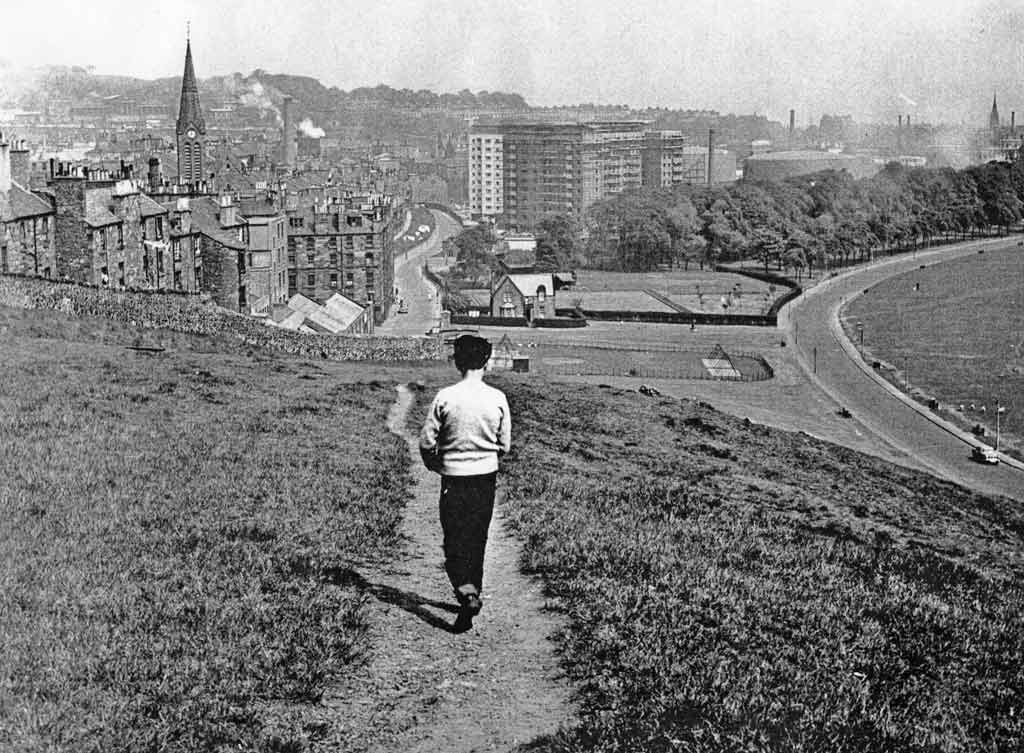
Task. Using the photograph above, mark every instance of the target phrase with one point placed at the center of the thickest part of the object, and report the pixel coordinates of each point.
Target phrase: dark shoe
(473, 604)
(464, 621)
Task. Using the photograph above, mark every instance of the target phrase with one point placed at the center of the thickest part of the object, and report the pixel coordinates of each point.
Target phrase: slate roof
(100, 218)
(148, 207)
(205, 221)
(22, 204)
(528, 284)
(333, 317)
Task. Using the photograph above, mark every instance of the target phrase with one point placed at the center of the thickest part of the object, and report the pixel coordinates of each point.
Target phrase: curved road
(809, 321)
(419, 294)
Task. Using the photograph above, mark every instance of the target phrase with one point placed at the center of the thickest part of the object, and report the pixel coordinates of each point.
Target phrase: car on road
(403, 309)
(984, 454)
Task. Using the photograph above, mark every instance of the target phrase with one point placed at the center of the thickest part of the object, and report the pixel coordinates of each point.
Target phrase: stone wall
(194, 315)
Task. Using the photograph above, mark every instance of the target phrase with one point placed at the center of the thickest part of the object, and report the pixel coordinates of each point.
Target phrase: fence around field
(649, 361)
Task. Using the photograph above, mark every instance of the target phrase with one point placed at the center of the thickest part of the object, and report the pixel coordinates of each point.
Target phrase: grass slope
(735, 588)
(170, 528)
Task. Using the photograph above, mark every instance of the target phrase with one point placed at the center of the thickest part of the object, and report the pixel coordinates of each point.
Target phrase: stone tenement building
(345, 246)
(108, 232)
(26, 218)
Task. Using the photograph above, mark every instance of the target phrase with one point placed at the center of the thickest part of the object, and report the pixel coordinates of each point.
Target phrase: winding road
(811, 322)
(420, 296)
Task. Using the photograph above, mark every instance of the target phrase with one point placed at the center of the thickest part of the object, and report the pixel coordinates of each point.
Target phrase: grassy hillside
(735, 588)
(170, 528)
(175, 525)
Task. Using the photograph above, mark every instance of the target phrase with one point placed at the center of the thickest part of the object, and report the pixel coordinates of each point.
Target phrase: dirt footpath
(428, 689)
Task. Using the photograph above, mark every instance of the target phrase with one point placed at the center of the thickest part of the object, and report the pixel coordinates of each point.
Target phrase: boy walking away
(467, 429)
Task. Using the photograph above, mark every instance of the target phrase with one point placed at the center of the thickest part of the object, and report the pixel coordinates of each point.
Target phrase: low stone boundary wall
(194, 315)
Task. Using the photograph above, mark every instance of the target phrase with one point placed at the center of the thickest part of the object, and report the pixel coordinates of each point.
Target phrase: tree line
(815, 221)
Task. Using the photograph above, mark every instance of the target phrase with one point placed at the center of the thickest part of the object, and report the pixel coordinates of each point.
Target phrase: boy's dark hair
(471, 352)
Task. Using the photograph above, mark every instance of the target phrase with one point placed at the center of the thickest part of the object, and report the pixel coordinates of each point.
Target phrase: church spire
(191, 129)
(993, 118)
(190, 114)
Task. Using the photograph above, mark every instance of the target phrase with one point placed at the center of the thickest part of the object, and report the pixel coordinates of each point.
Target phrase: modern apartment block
(486, 174)
(668, 160)
(550, 168)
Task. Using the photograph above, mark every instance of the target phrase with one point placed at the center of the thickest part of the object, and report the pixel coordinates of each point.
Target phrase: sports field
(955, 331)
(699, 291)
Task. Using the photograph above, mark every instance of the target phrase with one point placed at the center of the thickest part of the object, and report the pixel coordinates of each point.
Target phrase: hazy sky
(933, 59)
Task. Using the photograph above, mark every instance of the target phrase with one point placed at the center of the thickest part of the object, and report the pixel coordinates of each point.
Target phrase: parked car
(984, 454)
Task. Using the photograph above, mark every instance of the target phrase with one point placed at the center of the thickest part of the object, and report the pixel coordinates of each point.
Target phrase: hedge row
(194, 315)
(491, 321)
(677, 317)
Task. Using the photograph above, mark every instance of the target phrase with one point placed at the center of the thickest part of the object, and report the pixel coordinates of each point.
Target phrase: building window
(120, 237)
(369, 258)
(350, 242)
(369, 241)
(334, 260)
(176, 249)
(295, 222)
(310, 259)
(334, 279)
(310, 243)
(292, 282)
(311, 280)
(159, 228)
(349, 281)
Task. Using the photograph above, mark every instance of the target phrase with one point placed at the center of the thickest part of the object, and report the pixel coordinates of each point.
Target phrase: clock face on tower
(191, 133)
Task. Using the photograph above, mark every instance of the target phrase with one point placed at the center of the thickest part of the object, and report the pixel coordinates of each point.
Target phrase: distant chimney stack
(20, 167)
(5, 164)
(900, 126)
(711, 155)
(1013, 121)
(156, 174)
(288, 145)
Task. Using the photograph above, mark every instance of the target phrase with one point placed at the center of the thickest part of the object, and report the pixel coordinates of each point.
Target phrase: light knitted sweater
(468, 425)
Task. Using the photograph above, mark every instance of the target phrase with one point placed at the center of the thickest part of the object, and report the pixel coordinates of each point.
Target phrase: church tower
(993, 117)
(191, 129)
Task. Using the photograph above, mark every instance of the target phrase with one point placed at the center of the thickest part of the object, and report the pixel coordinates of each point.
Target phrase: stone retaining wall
(196, 315)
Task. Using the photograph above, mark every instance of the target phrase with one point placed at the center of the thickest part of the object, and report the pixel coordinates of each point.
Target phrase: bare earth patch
(424, 688)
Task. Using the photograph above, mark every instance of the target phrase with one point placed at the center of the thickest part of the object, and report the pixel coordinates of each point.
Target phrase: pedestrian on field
(468, 427)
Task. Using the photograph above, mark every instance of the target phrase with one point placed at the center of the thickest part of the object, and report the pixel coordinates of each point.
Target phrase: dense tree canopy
(819, 220)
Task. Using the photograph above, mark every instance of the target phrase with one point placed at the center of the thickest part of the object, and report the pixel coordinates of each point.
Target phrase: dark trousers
(467, 503)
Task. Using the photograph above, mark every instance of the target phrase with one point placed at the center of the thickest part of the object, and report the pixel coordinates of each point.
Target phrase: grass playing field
(954, 330)
(696, 290)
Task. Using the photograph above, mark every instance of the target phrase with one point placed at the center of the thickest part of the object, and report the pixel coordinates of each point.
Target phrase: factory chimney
(792, 127)
(288, 146)
(1013, 121)
(900, 126)
(711, 154)
(156, 174)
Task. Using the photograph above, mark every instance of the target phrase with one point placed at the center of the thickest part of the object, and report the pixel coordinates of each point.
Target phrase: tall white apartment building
(486, 172)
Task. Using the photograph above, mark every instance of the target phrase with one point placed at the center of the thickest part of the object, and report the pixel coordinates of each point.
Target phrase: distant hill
(77, 83)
